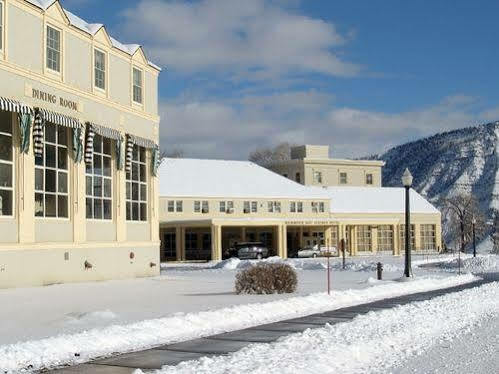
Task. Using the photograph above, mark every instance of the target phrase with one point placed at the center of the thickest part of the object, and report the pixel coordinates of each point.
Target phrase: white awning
(10, 105)
(106, 131)
(59, 119)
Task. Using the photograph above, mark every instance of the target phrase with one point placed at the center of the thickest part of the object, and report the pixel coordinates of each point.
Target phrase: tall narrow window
(254, 207)
(51, 174)
(100, 69)
(343, 178)
(299, 207)
(136, 186)
(223, 209)
(197, 206)
(6, 164)
(428, 238)
(246, 208)
(100, 181)
(1, 25)
(369, 179)
(137, 85)
(364, 238)
(298, 178)
(53, 49)
(292, 207)
(318, 177)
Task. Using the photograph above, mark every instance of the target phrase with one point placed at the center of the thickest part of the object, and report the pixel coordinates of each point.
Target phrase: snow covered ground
(377, 342)
(48, 325)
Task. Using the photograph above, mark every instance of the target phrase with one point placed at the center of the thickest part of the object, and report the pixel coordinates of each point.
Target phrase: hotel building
(206, 206)
(79, 129)
(310, 165)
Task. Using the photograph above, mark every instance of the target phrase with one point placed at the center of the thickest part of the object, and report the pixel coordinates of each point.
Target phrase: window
(298, 177)
(254, 207)
(230, 206)
(137, 85)
(180, 206)
(274, 206)
(402, 237)
(292, 207)
(222, 207)
(247, 207)
(343, 178)
(6, 164)
(136, 186)
(315, 207)
(321, 207)
(428, 238)
(191, 241)
(100, 69)
(385, 238)
(171, 206)
(364, 238)
(197, 206)
(299, 207)
(53, 49)
(206, 207)
(369, 179)
(51, 174)
(1, 27)
(100, 181)
(317, 177)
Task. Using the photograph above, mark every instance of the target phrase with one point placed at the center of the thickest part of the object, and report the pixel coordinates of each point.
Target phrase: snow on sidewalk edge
(60, 350)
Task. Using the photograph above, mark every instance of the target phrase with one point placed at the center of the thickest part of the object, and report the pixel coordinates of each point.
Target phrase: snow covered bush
(267, 278)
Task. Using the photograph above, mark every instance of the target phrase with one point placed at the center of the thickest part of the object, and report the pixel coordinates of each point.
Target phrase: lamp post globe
(407, 183)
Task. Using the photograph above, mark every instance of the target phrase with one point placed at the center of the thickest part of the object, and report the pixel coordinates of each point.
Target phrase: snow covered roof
(227, 179)
(91, 28)
(375, 200)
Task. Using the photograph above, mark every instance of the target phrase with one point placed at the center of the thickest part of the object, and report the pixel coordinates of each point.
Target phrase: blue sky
(361, 76)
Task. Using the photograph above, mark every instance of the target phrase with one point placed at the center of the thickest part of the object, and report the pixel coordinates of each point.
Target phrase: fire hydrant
(379, 268)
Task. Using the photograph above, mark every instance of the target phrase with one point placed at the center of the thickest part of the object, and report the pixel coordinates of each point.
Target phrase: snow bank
(372, 343)
(479, 264)
(61, 349)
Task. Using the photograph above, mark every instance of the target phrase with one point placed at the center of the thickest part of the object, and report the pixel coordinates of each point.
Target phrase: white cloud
(229, 129)
(255, 39)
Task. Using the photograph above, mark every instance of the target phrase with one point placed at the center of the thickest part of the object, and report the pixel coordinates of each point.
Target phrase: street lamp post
(407, 183)
(473, 223)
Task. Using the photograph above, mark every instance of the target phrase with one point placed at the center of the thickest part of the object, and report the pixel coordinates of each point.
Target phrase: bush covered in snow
(267, 278)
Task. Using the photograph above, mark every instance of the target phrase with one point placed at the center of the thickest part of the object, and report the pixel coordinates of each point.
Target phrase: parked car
(317, 251)
(251, 250)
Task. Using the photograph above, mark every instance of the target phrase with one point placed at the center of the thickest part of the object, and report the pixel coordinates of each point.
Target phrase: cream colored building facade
(79, 202)
(310, 165)
(206, 206)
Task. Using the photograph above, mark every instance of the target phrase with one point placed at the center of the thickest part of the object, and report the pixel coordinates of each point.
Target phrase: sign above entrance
(52, 98)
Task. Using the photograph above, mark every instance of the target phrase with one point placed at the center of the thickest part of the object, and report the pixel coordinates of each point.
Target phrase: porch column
(282, 250)
(396, 240)
(300, 238)
(374, 239)
(178, 243)
(216, 242)
(438, 237)
(417, 237)
(353, 240)
(243, 234)
(327, 236)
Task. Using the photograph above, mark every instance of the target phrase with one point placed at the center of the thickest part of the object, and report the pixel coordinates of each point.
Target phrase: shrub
(267, 279)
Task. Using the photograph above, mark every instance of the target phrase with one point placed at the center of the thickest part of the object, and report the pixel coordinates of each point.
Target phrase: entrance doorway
(169, 250)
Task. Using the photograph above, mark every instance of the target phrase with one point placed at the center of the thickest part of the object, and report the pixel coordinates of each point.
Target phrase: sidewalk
(226, 343)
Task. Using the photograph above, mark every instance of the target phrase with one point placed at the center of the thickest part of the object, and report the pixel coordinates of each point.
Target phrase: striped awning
(105, 131)
(146, 143)
(59, 119)
(10, 105)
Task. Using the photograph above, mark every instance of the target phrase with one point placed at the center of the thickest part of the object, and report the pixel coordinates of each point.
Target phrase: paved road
(226, 343)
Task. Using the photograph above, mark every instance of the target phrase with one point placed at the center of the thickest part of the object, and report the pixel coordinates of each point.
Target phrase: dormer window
(53, 49)
(100, 69)
(137, 86)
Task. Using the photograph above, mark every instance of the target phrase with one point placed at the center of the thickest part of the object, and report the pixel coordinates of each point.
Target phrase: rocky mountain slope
(464, 160)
